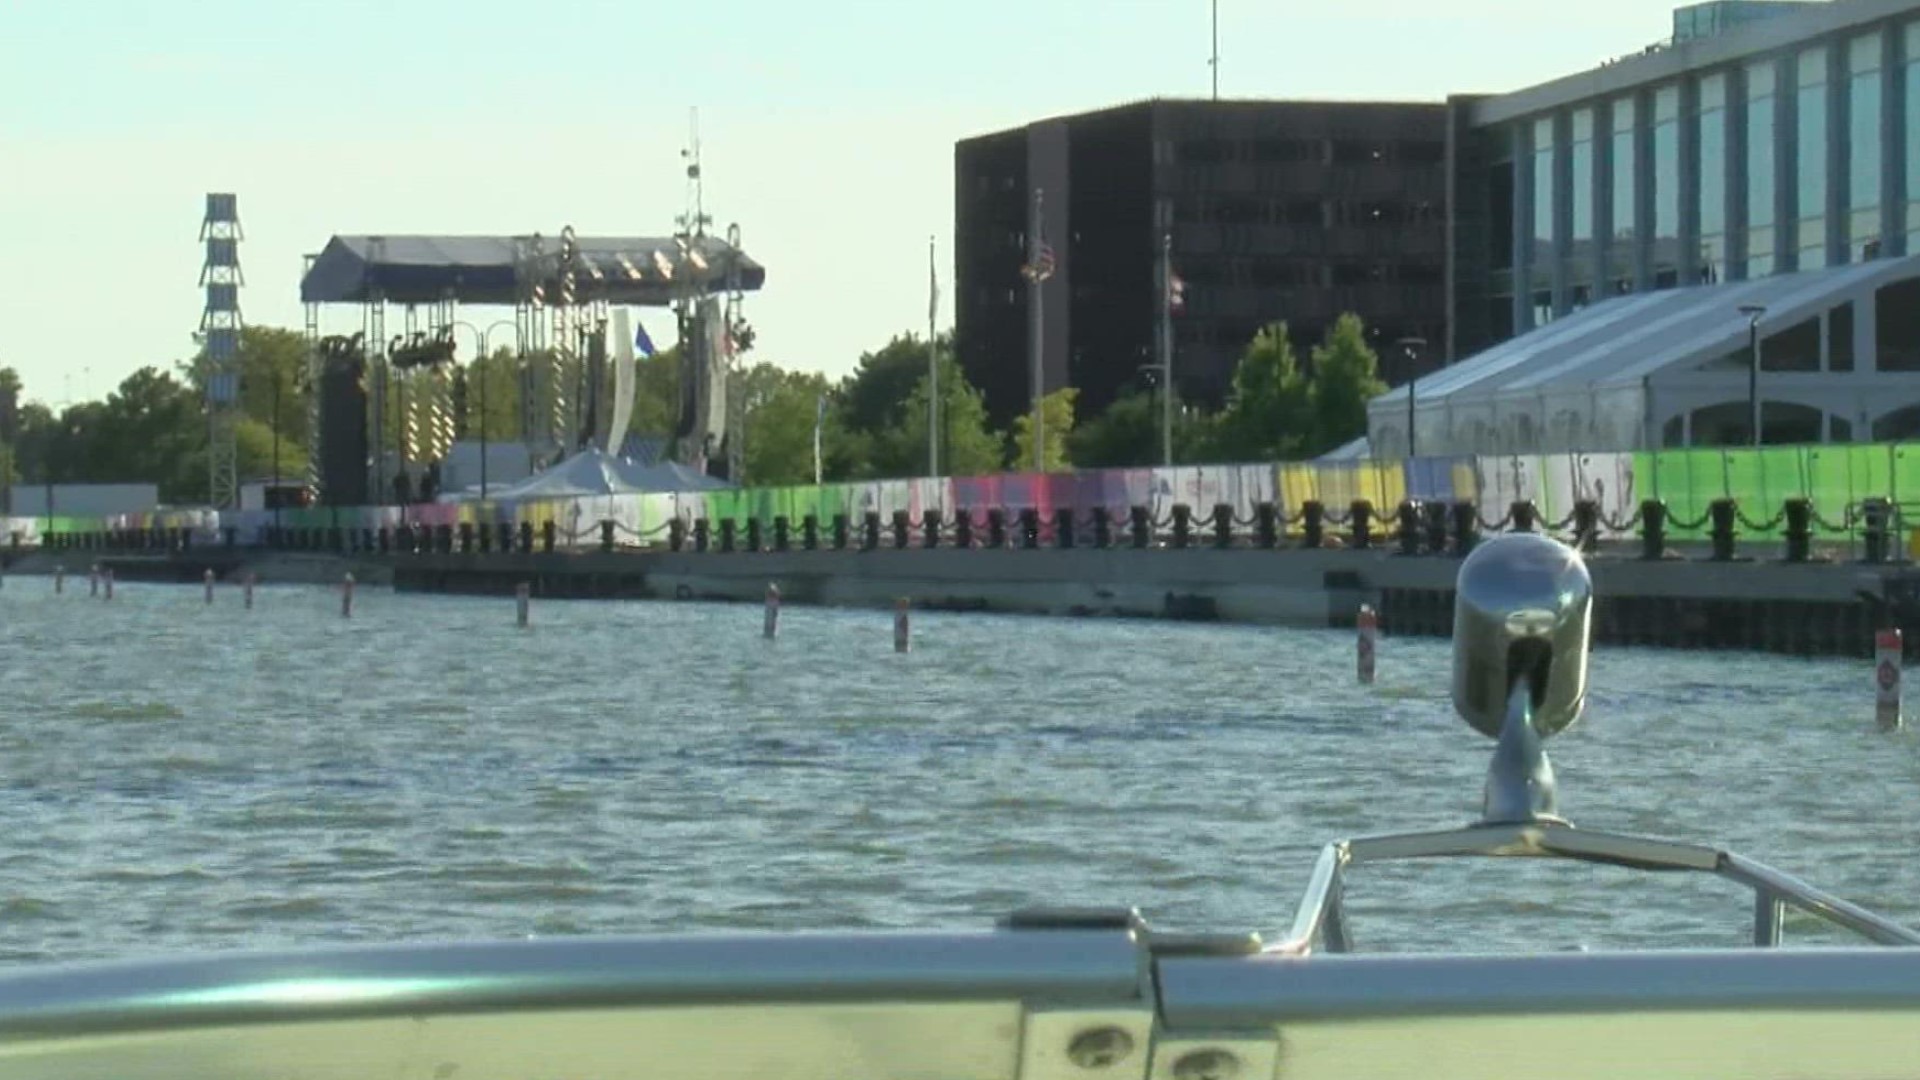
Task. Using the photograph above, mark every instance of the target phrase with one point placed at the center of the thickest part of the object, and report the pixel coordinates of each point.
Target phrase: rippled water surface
(174, 776)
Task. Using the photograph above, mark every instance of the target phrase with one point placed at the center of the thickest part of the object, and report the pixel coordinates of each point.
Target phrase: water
(178, 777)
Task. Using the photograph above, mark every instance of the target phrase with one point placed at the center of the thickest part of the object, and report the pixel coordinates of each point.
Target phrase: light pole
(480, 366)
(1409, 347)
(1753, 313)
(276, 449)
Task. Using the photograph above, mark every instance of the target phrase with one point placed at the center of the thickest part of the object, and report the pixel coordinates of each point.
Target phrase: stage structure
(713, 334)
(562, 291)
(220, 343)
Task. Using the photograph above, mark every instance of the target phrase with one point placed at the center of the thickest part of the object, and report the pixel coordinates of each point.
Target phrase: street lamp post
(480, 366)
(1753, 312)
(1408, 348)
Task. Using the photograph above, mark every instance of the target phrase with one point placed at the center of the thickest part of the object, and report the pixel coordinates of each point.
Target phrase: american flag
(1041, 268)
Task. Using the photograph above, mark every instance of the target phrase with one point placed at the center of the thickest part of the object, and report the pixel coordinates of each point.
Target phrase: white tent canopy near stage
(595, 473)
(1840, 363)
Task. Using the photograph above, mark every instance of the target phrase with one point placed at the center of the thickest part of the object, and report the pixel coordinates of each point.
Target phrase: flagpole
(1039, 337)
(1166, 349)
(933, 365)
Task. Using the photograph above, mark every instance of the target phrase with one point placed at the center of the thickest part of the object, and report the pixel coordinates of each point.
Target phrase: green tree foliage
(779, 407)
(1056, 409)
(1128, 434)
(273, 367)
(493, 396)
(1269, 414)
(1345, 377)
(9, 421)
(967, 446)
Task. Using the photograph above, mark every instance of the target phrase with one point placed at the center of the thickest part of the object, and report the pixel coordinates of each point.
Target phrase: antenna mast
(1214, 63)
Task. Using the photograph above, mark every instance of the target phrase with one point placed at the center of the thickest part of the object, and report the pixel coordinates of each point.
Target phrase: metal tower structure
(316, 363)
(220, 336)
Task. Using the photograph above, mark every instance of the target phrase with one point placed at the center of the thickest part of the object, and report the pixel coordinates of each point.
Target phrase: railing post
(754, 539)
(1799, 515)
(1525, 515)
(606, 537)
(963, 528)
(1409, 515)
(996, 528)
(870, 530)
(1102, 528)
(1436, 526)
(549, 536)
(1586, 524)
(1029, 528)
(702, 534)
(466, 538)
(1140, 525)
(1466, 527)
(1313, 524)
(1362, 512)
(930, 529)
(1222, 525)
(526, 536)
(1063, 527)
(842, 526)
(1875, 518)
(810, 532)
(1266, 526)
(1182, 524)
(728, 528)
(781, 532)
(1653, 530)
(902, 526)
(1722, 512)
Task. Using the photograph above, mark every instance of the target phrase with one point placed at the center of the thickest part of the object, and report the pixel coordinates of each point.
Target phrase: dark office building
(1294, 211)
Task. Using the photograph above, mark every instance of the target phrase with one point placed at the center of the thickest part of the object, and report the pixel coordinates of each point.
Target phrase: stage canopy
(490, 269)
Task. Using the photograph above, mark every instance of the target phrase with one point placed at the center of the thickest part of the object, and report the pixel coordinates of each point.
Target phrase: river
(175, 776)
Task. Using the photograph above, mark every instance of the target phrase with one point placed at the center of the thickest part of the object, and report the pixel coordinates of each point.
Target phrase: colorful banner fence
(1836, 478)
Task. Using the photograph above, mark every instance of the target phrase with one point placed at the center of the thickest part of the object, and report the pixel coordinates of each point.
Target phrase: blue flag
(640, 339)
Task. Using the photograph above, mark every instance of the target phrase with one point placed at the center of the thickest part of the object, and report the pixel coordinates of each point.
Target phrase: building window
(1542, 261)
(1666, 183)
(1863, 143)
(1581, 160)
(1840, 338)
(1205, 151)
(1810, 172)
(1620, 257)
(1713, 179)
(1761, 137)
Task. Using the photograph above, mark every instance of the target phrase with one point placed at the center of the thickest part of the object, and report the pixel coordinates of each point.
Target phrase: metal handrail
(1321, 919)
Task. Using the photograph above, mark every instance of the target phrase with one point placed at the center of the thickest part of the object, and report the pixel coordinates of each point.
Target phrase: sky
(827, 132)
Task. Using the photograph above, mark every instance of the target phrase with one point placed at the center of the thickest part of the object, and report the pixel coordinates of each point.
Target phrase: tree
(872, 397)
(779, 407)
(967, 446)
(269, 355)
(1269, 413)
(493, 396)
(1345, 377)
(1056, 409)
(1128, 434)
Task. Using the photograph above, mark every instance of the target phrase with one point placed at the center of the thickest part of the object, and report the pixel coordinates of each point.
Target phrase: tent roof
(596, 472)
(493, 269)
(1625, 339)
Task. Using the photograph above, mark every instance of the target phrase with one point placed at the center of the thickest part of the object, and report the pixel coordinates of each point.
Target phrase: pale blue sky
(828, 129)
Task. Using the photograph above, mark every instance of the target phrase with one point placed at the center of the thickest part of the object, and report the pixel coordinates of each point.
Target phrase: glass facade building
(1753, 148)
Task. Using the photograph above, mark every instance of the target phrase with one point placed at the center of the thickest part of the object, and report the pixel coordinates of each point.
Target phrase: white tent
(1671, 368)
(595, 472)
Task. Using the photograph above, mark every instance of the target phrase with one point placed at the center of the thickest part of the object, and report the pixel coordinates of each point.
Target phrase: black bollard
(386, 539)
(1029, 528)
(841, 526)
(1875, 534)
(1140, 524)
(1102, 528)
(466, 538)
(1266, 526)
(1409, 518)
(442, 539)
(506, 537)
(996, 528)
(1436, 513)
(1362, 512)
(1063, 527)
(232, 536)
(1722, 513)
(870, 530)
(526, 536)
(1586, 524)
(549, 536)
(676, 534)
(1182, 524)
(1799, 514)
(902, 525)
(963, 529)
(810, 532)
(727, 528)
(753, 533)
(781, 532)
(1525, 515)
(606, 536)
(1466, 528)
(701, 534)
(930, 529)
(1313, 523)
(484, 536)
(1222, 525)
(366, 539)
(1653, 530)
